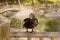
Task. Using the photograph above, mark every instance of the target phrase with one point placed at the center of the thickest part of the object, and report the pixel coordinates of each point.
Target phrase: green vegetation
(13, 1)
(44, 1)
(50, 25)
(53, 26)
(27, 1)
(15, 23)
(42, 21)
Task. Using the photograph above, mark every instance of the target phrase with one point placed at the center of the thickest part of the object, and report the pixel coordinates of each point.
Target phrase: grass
(42, 21)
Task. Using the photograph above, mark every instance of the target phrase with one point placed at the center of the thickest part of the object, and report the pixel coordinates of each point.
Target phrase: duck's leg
(32, 29)
(26, 29)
